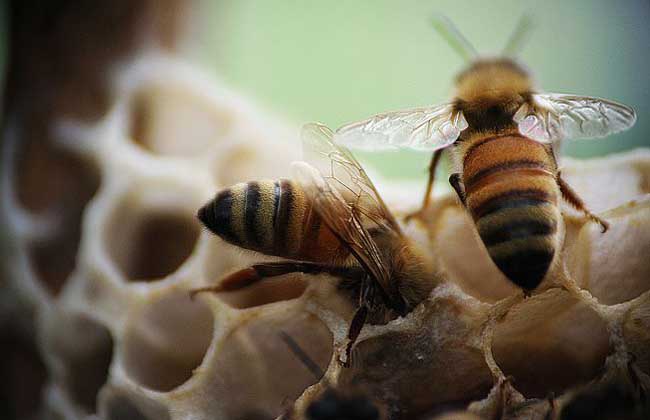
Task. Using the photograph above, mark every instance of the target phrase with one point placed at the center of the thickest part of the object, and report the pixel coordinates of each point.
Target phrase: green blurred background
(337, 62)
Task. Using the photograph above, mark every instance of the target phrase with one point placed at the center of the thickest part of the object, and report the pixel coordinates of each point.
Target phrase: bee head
(489, 80)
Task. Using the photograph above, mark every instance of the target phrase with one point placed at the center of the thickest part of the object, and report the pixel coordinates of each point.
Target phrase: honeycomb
(115, 334)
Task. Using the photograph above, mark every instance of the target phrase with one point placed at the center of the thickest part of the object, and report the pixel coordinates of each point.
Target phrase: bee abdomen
(271, 217)
(512, 195)
(521, 240)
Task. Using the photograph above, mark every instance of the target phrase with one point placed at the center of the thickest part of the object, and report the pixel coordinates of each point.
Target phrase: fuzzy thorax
(493, 80)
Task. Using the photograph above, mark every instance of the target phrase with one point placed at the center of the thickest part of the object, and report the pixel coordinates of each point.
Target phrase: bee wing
(425, 129)
(346, 175)
(347, 200)
(554, 116)
(344, 219)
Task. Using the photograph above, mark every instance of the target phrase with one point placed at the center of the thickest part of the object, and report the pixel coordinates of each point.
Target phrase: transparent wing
(344, 220)
(347, 200)
(345, 174)
(553, 117)
(425, 129)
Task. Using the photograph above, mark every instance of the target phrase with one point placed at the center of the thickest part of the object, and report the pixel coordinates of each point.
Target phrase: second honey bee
(502, 136)
(328, 220)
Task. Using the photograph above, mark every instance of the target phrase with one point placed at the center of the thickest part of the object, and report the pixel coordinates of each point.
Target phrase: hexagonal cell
(49, 179)
(549, 343)
(430, 366)
(169, 119)
(84, 348)
(151, 233)
(53, 259)
(256, 375)
(620, 253)
(59, 184)
(166, 340)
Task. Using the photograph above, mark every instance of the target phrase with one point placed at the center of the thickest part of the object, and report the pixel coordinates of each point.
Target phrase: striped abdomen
(512, 194)
(271, 217)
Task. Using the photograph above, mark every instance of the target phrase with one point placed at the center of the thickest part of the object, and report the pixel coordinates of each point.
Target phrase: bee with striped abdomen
(329, 220)
(502, 136)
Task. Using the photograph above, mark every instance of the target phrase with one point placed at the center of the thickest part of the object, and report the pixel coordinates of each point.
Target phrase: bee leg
(255, 273)
(572, 198)
(427, 195)
(366, 296)
(357, 323)
(454, 180)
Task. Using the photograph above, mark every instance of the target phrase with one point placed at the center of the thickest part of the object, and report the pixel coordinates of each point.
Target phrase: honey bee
(328, 220)
(333, 403)
(502, 136)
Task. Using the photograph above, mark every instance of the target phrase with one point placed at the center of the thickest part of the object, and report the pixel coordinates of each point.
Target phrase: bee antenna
(302, 355)
(454, 38)
(519, 35)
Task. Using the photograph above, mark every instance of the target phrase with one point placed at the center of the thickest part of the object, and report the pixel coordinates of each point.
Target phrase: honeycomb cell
(50, 179)
(84, 348)
(435, 353)
(172, 120)
(58, 184)
(620, 253)
(53, 260)
(253, 365)
(549, 343)
(167, 340)
(147, 242)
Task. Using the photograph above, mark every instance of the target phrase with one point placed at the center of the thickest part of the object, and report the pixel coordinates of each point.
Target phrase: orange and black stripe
(270, 217)
(512, 195)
